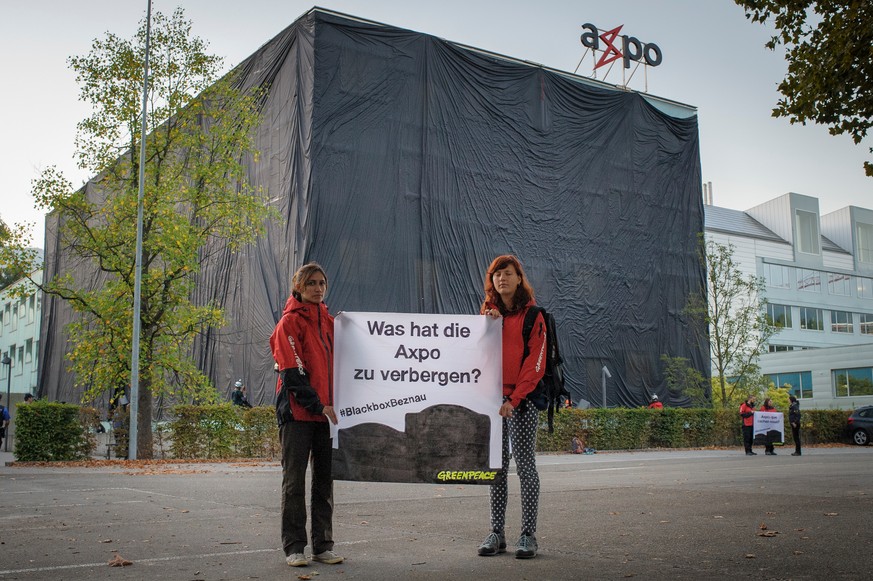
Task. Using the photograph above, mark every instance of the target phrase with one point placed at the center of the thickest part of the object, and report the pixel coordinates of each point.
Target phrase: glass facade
(853, 382)
(798, 382)
(811, 319)
(841, 322)
(779, 315)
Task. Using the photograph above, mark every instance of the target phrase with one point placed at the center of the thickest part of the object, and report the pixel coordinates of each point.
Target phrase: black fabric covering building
(404, 163)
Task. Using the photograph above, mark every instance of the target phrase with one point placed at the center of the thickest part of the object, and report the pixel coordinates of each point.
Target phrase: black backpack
(549, 391)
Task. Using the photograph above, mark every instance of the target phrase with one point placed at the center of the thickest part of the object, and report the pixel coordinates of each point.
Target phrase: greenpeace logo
(614, 47)
(466, 475)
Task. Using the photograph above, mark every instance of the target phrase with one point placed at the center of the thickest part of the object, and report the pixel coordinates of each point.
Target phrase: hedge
(46, 431)
(641, 428)
(51, 431)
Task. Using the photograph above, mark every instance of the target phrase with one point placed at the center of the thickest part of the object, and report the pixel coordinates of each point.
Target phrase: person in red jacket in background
(508, 296)
(747, 412)
(302, 345)
(656, 404)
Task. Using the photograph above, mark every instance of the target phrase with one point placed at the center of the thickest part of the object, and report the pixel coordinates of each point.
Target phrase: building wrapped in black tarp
(404, 163)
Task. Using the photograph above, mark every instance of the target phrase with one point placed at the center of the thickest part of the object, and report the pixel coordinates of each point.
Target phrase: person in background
(655, 403)
(302, 346)
(508, 296)
(578, 446)
(28, 398)
(769, 407)
(238, 396)
(4, 420)
(747, 412)
(794, 421)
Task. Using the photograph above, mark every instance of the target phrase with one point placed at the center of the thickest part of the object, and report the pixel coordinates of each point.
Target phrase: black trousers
(795, 435)
(300, 441)
(748, 436)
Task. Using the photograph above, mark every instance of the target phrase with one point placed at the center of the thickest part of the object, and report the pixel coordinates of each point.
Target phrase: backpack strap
(529, 319)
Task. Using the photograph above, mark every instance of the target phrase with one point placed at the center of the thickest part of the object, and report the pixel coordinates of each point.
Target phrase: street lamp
(7, 361)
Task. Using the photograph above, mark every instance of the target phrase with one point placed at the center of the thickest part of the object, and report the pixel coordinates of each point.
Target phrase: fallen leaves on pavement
(119, 561)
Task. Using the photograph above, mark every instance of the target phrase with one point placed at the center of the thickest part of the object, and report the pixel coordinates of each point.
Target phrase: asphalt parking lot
(647, 515)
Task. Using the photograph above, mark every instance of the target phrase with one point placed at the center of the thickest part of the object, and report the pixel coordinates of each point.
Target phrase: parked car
(861, 425)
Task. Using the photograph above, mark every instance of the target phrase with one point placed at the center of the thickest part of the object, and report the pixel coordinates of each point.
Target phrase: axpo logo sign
(631, 48)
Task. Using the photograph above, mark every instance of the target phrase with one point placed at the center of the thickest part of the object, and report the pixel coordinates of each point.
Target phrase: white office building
(19, 342)
(818, 272)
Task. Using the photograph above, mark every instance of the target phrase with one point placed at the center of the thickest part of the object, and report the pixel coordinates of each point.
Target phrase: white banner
(769, 427)
(417, 397)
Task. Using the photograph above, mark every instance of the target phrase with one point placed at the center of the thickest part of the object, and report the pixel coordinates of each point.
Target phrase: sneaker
(526, 547)
(494, 543)
(328, 557)
(796, 454)
(296, 560)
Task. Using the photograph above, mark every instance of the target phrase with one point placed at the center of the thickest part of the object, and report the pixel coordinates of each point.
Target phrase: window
(779, 348)
(31, 309)
(779, 316)
(778, 276)
(19, 363)
(865, 243)
(799, 383)
(807, 232)
(14, 316)
(853, 382)
(841, 322)
(866, 324)
(808, 280)
(28, 351)
(811, 319)
(865, 287)
(839, 284)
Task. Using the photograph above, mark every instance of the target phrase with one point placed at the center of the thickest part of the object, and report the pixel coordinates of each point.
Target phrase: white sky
(714, 59)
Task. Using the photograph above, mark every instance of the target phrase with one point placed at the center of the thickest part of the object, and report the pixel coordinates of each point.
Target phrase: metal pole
(137, 292)
(8, 362)
(604, 373)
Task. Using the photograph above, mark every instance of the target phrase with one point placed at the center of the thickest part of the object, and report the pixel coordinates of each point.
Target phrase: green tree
(829, 50)
(734, 313)
(197, 202)
(682, 377)
(9, 271)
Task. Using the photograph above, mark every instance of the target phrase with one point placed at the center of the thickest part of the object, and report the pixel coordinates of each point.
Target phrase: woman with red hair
(508, 295)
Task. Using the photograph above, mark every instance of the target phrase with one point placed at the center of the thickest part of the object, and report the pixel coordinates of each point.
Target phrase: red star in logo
(611, 53)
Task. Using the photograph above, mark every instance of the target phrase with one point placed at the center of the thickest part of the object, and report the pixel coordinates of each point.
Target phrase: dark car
(861, 425)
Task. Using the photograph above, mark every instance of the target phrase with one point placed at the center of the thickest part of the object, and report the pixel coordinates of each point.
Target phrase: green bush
(223, 431)
(47, 431)
(632, 429)
(260, 437)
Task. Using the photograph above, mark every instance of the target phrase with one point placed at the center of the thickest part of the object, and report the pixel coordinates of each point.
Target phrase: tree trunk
(144, 441)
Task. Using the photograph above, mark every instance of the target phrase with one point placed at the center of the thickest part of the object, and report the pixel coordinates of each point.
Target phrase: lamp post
(604, 375)
(7, 361)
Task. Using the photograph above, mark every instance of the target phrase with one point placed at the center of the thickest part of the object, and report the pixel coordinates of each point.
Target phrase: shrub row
(633, 429)
(52, 431)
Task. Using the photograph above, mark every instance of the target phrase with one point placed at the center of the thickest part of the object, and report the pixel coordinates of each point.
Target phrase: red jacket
(656, 405)
(521, 377)
(747, 409)
(303, 344)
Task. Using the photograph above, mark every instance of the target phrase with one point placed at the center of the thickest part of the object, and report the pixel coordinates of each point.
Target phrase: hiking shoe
(526, 547)
(296, 560)
(494, 543)
(328, 557)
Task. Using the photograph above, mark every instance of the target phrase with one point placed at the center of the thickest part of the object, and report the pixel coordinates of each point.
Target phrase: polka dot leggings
(521, 431)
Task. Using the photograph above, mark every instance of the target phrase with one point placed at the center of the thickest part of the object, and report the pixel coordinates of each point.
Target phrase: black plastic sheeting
(404, 163)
